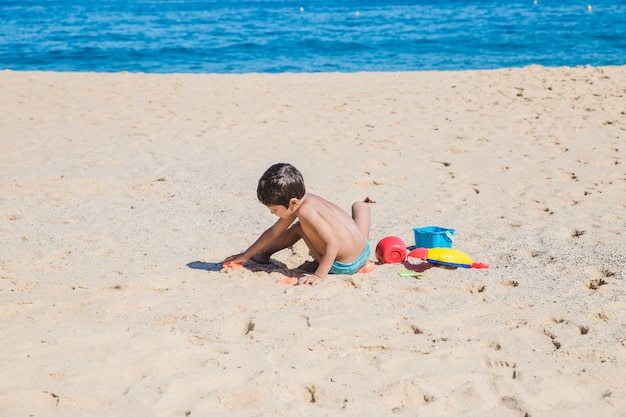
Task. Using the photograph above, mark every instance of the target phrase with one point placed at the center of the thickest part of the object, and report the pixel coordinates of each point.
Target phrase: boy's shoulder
(313, 204)
(314, 200)
(309, 204)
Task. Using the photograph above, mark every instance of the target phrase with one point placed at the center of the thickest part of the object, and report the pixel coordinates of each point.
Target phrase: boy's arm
(325, 232)
(328, 257)
(266, 238)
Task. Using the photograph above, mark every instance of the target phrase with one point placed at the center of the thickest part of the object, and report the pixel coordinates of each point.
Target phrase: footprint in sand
(552, 337)
(602, 316)
(558, 320)
(492, 363)
(473, 289)
(594, 284)
(249, 327)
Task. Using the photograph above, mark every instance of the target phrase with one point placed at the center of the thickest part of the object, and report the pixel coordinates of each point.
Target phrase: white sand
(121, 193)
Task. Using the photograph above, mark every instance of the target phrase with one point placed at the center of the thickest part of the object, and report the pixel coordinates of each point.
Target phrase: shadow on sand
(272, 266)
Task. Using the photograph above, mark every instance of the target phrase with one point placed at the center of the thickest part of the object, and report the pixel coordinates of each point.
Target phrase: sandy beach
(120, 195)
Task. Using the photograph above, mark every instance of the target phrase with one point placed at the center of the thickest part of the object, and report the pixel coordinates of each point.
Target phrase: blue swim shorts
(352, 267)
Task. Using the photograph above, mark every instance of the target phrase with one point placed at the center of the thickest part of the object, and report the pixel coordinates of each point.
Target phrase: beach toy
(407, 273)
(232, 265)
(391, 250)
(288, 281)
(446, 256)
(367, 268)
(433, 237)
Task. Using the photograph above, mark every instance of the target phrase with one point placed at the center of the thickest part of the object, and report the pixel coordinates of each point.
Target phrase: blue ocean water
(213, 36)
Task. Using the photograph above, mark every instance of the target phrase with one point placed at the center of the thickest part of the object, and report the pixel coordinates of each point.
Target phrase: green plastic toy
(406, 273)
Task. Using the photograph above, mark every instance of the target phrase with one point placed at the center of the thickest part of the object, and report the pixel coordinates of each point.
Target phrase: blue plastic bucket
(433, 237)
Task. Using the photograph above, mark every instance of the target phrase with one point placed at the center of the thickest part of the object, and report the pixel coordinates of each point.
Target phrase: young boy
(338, 242)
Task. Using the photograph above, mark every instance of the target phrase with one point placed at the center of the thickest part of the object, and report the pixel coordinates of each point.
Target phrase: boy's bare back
(327, 225)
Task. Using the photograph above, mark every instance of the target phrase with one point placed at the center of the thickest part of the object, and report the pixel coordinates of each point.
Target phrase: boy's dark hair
(279, 184)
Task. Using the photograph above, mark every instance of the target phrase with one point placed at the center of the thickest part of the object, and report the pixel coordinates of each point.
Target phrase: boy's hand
(310, 279)
(239, 259)
(234, 261)
(232, 265)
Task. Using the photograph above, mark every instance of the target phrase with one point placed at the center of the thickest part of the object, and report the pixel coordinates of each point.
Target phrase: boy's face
(282, 211)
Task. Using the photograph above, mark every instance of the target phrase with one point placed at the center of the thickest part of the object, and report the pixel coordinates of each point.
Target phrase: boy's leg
(362, 217)
(288, 238)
